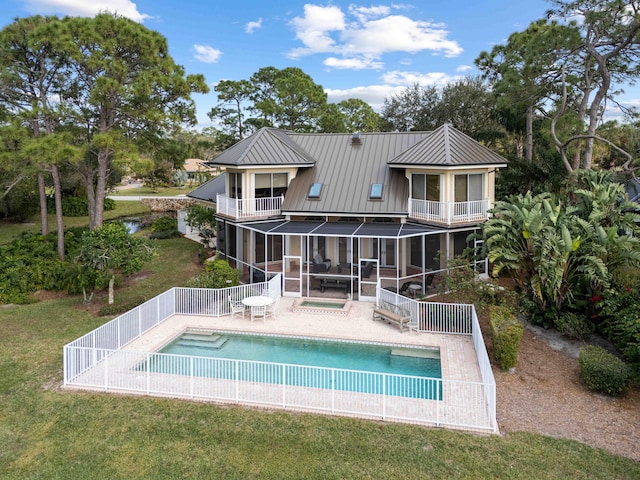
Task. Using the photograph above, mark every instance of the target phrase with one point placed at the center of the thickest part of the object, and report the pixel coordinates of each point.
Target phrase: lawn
(148, 191)
(47, 432)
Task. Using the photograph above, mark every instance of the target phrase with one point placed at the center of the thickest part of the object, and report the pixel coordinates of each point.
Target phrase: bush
(506, 333)
(117, 308)
(76, 206)
(573, 325)
(218, 274)
(164, 227)
(603, 372)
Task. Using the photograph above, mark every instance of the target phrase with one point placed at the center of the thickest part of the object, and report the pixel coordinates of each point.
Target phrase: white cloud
(251, 26)
(84, 8)
(352, 63)
(374, 95)
(367, 32)
(207, 54)
(406, 79)
(464, 68)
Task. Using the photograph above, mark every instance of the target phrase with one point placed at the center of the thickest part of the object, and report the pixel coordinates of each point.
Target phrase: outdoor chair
(259, 311)
(236, 306)
(321, 265)
(429, 283)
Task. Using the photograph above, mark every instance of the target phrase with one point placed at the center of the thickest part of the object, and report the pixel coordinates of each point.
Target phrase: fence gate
(368, 274)
(292, 276)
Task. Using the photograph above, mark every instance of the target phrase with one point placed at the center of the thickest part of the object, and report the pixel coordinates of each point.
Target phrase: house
(340, 212)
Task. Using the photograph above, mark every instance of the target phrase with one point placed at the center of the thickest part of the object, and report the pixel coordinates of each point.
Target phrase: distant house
(199, 170)
(343, 212)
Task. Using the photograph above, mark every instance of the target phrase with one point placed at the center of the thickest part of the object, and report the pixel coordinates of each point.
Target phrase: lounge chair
(321, 265)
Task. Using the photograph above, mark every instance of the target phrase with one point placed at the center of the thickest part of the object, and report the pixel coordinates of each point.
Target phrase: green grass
(148, 191)
(124, 208)
(47, 432)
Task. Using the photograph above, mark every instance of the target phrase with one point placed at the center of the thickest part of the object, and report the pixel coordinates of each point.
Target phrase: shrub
(117, 308)
(506, 333)
(76, 206)
(218, 274)
(573, 325)
(603, 372)
(164, 227)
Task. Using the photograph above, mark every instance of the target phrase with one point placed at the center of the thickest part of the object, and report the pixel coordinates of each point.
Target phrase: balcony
(449, 213)
(248, 208)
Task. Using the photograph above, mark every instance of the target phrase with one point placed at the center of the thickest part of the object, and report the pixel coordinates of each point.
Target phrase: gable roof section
(446, 146)
(266, 147)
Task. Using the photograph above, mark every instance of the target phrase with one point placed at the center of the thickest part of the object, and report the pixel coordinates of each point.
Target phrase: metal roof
(209, 190)
(266, 147)
(447, 146)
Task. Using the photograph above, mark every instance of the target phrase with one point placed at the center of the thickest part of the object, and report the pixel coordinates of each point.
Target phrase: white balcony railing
(449, 213)
(240, 208)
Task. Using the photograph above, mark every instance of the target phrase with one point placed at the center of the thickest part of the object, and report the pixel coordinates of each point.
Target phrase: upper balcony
(449, 213)
(248, 208)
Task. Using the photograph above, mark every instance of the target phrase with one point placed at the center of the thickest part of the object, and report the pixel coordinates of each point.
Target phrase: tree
(234, 93)
(203, 219)
(411, 109)
(359, 116)
(107, 251)
(124, 82)
(610, 54)
(299, 101)
(31, 79)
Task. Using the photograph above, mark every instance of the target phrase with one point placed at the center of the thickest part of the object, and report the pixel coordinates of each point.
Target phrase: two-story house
(342, 211)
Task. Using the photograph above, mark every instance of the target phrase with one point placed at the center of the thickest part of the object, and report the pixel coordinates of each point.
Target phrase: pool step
(202, 341)
(416, 352)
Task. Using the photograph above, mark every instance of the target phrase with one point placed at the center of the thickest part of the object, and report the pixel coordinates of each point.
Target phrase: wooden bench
(393, 314)
(333, 283)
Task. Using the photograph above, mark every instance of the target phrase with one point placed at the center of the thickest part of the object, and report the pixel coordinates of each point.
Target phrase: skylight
(314, 190)
(376, 191)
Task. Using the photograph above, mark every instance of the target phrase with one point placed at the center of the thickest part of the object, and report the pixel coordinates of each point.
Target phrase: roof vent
(355, 139)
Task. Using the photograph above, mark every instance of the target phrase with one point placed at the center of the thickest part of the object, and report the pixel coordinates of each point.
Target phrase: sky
(369, 51)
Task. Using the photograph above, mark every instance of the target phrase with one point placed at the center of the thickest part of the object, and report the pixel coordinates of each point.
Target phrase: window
(469, 187)
(376, 191)
(235, 184)
(425, 187)
(270, 184)
(314, 190)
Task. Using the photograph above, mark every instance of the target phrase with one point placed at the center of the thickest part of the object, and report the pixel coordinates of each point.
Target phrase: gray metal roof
(209, 190)
(447, 146)
(346, 172)
(266, 147)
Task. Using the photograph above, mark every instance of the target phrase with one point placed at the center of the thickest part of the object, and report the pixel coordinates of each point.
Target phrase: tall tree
(231, 95)
(299, 101)
(31, 82)
(610, 49)
(359, 116)
(125, 81)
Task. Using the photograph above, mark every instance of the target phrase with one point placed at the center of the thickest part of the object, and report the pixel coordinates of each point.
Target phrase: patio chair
(259, 311)
(428, 284)
(321, 265)
(236, 307)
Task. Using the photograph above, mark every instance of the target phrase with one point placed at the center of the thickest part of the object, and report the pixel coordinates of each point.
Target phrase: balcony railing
(449, 213)
(244, 208)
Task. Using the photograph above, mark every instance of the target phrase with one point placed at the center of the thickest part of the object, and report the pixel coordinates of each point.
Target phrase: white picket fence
(97, 360)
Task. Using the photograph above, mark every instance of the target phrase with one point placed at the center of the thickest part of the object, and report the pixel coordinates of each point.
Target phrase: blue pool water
(365, 359)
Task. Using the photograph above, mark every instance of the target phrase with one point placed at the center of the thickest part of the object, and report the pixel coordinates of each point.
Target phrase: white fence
(449, 212)
(96, 360)
(248, 207)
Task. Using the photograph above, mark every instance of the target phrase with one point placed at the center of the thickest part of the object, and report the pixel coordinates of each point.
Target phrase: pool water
(322, 304)
(366, 359)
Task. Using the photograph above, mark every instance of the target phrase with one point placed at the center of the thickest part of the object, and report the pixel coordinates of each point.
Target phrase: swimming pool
(306, 362)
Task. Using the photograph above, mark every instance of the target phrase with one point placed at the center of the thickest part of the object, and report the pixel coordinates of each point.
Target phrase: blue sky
(362, 50)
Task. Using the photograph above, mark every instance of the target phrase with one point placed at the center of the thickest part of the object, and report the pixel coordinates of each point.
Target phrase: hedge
(603, 372)
(506, 333)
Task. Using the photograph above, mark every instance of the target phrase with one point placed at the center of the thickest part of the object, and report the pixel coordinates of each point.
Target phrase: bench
(333, 283)
(391, 313)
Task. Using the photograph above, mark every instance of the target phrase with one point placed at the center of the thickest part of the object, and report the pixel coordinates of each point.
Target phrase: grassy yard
(46, 432)
(148, 191)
